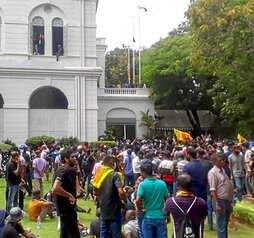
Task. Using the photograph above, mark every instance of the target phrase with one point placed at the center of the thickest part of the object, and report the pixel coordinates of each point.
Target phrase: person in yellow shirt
(39, 207)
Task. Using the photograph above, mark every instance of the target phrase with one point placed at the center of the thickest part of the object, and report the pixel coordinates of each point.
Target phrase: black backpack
(87, 164)
(186, 228)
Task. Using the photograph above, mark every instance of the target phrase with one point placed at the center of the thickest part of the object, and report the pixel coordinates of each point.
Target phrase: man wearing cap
(39, 166)
(13, 229)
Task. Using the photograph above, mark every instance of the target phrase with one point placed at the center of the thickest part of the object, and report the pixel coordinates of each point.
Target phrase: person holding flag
(182, 136)
(240, 138)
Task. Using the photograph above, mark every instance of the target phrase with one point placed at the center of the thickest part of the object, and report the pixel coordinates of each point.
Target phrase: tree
(148, 121)
(117, 66)
(222, 34)
(174, 82)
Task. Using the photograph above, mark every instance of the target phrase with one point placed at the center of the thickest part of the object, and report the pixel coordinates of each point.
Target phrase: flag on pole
(145, 9)
(134, 39)
(240, 138)
(182, 136)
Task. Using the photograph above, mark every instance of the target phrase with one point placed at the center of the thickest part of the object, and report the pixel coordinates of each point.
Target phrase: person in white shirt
(247, 158)
(44, 155)
(165, 169)
(136, 162)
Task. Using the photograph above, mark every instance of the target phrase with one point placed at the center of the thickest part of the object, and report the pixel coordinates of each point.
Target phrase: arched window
(57, 36)
(1, 101)
(38, 36)
(48, 98)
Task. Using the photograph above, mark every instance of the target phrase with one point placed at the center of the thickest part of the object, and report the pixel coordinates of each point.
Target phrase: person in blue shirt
(128, 169)
(198, 173)
(152, 194)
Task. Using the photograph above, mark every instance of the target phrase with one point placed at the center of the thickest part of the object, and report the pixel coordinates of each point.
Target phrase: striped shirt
(196, 214)
(141, 179)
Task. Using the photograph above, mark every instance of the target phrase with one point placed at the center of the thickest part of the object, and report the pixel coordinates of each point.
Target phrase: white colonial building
(52, 74)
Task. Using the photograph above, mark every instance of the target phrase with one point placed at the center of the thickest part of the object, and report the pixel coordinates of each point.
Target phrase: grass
(49, 227)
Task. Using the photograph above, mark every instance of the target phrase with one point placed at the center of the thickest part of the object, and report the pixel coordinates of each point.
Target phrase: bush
(244, 212)
(97, 144)
(5, 159)
(9, 142)
(35, 142)
(5, 148)
(68, 141)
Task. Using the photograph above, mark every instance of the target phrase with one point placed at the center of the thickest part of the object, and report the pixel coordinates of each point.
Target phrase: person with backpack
(187, 210)
(87, 165)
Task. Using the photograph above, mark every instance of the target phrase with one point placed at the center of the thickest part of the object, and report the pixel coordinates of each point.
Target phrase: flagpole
(133, 54)
(129, 65)
(139, 47)
(139, 56)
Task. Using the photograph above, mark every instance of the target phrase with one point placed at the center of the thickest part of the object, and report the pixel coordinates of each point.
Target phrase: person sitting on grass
(14, 228)
(39, 207)
(131, 228)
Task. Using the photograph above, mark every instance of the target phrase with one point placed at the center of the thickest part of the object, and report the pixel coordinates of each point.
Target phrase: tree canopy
(174, 82)
(222, 43)
(117, 66)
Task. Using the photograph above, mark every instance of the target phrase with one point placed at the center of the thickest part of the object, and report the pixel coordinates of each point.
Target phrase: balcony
(123, 92)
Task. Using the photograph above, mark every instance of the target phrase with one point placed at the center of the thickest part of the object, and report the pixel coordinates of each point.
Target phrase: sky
(116, 18)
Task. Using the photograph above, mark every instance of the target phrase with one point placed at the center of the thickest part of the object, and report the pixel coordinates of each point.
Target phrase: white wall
(136, 104)
(49, 122)
(1, 124)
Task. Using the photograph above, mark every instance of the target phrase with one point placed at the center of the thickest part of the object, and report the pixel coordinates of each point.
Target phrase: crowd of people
(137, 187)
(127, 85)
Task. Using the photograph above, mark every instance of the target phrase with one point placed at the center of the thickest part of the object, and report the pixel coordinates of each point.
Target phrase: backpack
(86, 164)
(186, 228)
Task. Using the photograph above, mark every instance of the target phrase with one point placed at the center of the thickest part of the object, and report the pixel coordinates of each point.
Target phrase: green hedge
(245, 212)
(5, 148)
(96, 144)
(69, 141)
(35, 142)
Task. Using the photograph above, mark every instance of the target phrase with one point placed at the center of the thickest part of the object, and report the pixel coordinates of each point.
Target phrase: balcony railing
(123, 91)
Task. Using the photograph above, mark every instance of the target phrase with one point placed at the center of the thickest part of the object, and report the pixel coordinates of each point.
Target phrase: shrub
(5, 159)
(68, 141)
(97, 144)
(5, 147)
(35, 142)
(244, 212)
(9, 142)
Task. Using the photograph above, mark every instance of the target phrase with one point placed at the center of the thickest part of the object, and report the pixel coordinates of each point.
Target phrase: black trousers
(69, 226)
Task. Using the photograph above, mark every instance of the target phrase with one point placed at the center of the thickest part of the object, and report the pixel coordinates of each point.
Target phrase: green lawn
(49, 227)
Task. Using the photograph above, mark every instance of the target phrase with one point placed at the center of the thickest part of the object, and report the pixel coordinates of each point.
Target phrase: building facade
(52, 74)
